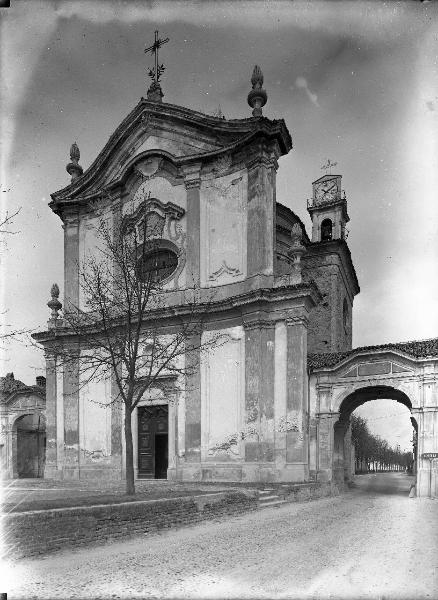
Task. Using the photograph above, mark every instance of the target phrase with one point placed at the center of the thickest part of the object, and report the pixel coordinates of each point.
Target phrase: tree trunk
(130, 486)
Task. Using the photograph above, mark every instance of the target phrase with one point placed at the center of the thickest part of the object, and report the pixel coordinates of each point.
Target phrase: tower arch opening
(326, 230)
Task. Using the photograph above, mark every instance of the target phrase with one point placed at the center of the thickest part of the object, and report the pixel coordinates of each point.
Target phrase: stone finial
(74, 168)
(155, 93)
(257, 97)
(54, 304)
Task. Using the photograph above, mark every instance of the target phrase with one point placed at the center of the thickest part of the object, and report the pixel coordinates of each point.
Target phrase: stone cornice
(263, 298)
(258, 324)
(301, 320)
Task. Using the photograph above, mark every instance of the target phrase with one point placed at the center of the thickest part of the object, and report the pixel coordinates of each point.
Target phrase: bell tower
(328, 209)
(328, 262)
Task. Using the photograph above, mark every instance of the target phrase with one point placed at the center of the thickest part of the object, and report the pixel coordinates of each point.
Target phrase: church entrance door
(153, 441)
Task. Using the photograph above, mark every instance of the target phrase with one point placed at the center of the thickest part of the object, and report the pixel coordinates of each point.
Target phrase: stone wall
(46, 531)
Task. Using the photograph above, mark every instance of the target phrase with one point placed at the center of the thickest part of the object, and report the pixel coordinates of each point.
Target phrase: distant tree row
(372, 453)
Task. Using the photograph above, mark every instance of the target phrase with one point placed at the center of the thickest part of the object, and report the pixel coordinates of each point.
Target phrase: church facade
(251, 410)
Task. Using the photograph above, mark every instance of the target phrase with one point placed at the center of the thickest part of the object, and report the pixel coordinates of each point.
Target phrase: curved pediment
(179, 134)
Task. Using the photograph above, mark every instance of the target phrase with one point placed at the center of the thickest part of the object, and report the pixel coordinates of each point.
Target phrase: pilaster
(71, 260)
(259, 387)
(296, 442)
(193, 402)
(261, 213)
(51, 465)
(427, 470)
(71, 417)
(192, 183)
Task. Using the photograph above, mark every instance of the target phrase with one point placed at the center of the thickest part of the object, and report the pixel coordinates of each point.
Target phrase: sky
(356, 82)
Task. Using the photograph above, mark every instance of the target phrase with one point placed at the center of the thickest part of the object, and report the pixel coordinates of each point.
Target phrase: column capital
(258, 324)
(192, 175)
(70, 219)
(50, 355)
(297, 320)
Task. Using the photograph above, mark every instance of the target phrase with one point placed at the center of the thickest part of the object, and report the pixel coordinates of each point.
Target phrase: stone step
(272, 503)
(270, 497)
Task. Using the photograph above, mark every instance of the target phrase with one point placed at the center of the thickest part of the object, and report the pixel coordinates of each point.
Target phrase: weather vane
(157, 71)
(328, 166)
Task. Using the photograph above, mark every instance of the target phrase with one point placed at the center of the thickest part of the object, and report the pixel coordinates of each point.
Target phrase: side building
(22, 428)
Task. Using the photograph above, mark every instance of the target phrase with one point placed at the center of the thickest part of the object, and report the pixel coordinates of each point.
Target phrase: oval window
(157, 265)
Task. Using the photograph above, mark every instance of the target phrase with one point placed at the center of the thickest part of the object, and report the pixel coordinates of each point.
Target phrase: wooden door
(152, 441)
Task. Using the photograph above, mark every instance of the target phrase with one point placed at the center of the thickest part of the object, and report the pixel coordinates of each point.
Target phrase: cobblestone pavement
(372, 542)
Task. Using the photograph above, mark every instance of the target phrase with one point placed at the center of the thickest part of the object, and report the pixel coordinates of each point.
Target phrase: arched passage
(342, 446)
(29, 445)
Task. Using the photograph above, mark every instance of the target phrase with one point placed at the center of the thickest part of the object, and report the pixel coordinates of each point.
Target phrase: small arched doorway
(29, 451)
(343, 468)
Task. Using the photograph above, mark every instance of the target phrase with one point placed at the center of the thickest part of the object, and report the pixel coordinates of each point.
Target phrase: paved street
(373, 542)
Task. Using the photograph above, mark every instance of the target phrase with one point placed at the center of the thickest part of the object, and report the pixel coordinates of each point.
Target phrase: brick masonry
(44, 531)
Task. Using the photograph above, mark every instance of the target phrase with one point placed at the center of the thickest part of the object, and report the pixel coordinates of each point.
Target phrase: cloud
(301, 83)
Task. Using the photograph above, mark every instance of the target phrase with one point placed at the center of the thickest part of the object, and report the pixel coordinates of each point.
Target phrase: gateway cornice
(367, 356)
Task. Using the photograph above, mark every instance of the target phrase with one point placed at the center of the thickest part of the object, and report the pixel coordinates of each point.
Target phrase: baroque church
(286, 372)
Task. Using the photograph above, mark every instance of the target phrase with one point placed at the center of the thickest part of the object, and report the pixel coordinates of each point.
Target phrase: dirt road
(373, 542)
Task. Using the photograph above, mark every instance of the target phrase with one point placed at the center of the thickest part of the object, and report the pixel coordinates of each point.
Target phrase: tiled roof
(9, 384)
(417, 349)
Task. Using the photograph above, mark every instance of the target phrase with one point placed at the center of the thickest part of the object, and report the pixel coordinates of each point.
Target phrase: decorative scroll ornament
(54, 304)
(74, 168)
(257, 97)
(224, 269)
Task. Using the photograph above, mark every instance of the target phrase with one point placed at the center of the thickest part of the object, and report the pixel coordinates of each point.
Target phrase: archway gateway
(343, 451)
(340, 382)
(29, 446)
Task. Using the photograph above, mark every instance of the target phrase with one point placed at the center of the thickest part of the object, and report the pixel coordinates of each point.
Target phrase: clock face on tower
(326, 191)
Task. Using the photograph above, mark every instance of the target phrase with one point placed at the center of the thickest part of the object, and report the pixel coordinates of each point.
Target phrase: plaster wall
(222, 395)
(94, 423)
(91, 244)
(156, 187)
(223, 222)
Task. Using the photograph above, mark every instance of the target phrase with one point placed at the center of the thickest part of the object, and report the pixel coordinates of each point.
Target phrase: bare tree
(7, 331)
(6, 221)
(129, 327)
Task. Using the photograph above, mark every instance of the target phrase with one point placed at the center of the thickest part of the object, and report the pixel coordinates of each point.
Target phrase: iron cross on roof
(157, 71)
(328, 166)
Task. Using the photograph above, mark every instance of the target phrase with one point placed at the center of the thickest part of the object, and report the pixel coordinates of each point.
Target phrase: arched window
(326, 230)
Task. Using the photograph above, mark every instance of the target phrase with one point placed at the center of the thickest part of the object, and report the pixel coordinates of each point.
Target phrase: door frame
(171, 400)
